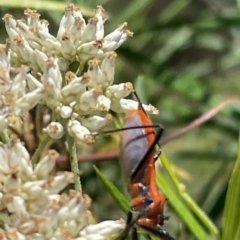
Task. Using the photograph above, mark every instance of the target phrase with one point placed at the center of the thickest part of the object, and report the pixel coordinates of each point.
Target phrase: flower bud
(59, 182)
(64, 111)
(89, 50)
(100, 22)
(116, 38)
(46, 165)
(30, 100)
(4, 57)
(108, 68)
(32, 82)
(75, 87)
(96, 123)
(102, 229)
(79, 132)
(126, 104)
(54, 130)
(119, 91)
(41, 59)
(95, 73)
(88, 100)
(90, 31)
(103, 103)
(68, 49)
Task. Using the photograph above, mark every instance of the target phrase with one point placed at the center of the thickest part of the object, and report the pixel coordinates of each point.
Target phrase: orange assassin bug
(137, 157)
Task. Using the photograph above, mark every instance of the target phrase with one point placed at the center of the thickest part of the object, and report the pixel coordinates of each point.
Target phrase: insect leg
(148, 152)
(129, 224)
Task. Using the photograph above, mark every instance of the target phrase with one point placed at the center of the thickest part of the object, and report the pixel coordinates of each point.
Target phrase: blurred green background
(184, 59)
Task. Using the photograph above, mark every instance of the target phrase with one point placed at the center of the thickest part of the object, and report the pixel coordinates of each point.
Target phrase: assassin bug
(137, 157)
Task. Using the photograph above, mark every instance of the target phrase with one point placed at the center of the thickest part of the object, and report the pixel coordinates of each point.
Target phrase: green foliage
(184, 59)
(116, 194)
(231, 220)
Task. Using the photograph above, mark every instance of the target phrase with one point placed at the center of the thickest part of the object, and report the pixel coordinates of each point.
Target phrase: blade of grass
(181, 209)
(188, 199)
(172, 10)
(231, 219)
(176, 41)
(133, 10)
(115, 193)
(43, 5)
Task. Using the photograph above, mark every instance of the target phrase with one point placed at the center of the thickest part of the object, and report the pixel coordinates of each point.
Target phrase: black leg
(134, 234)
(124, 233)
(148, 152)
(129, 225)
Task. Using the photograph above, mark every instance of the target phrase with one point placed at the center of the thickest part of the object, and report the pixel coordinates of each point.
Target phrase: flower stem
(40, 148)
(80, 68)
(74, 162)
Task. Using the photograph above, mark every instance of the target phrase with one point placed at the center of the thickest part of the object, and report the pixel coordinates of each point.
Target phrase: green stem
(40, 149)
(80, 68)
(74, 162)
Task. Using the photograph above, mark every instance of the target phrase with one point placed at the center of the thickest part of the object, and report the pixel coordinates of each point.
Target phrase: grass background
(184, 59)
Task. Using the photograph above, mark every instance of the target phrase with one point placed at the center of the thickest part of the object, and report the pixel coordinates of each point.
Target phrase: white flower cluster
(32, 205)
(81, 102)
(34, 69)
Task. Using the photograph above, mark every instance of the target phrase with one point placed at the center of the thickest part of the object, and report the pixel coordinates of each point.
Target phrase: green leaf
(43, 5)
(231, 215)
(133, 10)
(176, 41)
(115, 193)
(188, 199)
(181, 209)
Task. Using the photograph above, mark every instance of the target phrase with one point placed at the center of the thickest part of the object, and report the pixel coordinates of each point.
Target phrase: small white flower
(96, 123)
(16, 205)
(89, 50)
(103, 103)
(54, 130)
(90, 31)
(102, 230)
(19, 82)
(119, 91)
(127, 104)
(41, 58)
(88, 100)
(64, 111)
(75, 87)
(95, 73)
(4, 58)
(108, 68)
(26, 52)
(68, 49)
(79, 132)
(59, 182)
(116, 38)
(32, 82)
(52, 81)
(30, 100)
(46, 165)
